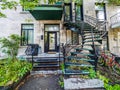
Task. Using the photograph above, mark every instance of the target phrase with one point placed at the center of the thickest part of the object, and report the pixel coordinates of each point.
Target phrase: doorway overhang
(47, 12)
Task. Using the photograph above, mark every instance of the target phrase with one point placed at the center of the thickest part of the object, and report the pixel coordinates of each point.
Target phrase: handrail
(100, 25)
(115, 19)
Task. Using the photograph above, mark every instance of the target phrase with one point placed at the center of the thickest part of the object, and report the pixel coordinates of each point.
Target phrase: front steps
(46, 61)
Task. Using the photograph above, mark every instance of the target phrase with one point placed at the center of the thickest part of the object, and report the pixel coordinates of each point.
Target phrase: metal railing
(115, 19)
(100, 26)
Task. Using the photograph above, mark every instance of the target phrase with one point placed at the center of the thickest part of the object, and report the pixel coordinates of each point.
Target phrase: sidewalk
(41, 82)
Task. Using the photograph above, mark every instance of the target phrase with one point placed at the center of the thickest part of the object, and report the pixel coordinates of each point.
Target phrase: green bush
(107, 86)
(12, 70)
(10, 45)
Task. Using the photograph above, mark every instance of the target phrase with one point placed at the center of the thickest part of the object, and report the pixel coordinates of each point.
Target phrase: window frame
(22, 44)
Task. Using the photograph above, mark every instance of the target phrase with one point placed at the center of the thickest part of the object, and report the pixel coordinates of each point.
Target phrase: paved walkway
(40, 82)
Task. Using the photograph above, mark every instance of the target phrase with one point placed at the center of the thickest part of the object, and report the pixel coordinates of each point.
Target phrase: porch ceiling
(47, 12)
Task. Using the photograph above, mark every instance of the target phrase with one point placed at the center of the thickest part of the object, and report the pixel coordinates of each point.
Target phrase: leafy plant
(10, 45)
(6, 4)
(61, 81)
(106, 81)
(92, 73)
(62, 67)
(12, 70)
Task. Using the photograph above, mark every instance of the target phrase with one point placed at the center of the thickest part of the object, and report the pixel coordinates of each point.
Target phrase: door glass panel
(52, 28)
(51, 41)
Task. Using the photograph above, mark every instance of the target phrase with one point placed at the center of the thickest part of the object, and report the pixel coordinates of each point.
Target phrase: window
(68, 12)
(79, 12)
(27, 33)
(75, 38)
(100, 12)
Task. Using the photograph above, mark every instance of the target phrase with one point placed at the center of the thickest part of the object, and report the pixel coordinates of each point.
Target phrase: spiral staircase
(85, 57)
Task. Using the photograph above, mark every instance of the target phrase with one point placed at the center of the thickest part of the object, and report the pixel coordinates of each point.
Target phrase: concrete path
(40, 82)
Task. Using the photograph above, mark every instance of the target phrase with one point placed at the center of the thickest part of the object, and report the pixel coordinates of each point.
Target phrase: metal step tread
(91, 37)
(68, 72)
(92, 40)
(79, 58)
(82, 53)
(78, 64)
(84, 49)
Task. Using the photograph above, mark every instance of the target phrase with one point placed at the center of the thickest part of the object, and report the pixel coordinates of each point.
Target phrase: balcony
(115, 20)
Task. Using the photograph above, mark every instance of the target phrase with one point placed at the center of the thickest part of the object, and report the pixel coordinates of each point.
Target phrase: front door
(51, 38)
(52, 41)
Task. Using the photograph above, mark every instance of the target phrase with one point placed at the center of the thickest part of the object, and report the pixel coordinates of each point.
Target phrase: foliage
(12, 70)
(10, 45)
(92, 73)
(110, 2)
(61, 81)
(29, 4)
(6, 4)
(114, 2)
(107, 86)
(62, 67)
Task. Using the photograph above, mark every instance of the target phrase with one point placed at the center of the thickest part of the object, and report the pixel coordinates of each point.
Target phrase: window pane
(27, 26)
(24, 37)
(51, 27)
(30, 36)
(78, 12)
(100, 12)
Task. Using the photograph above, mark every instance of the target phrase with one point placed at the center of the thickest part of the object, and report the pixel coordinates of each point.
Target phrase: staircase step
(45, 66)
(79, 58)
(77, 64)
(77, 49)
(91, 37)
(75, 72)
(99, 40)
(45, 60)
(75, 53)
(88, 31)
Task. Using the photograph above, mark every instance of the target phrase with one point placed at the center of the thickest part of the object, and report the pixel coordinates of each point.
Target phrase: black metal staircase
(85, 57)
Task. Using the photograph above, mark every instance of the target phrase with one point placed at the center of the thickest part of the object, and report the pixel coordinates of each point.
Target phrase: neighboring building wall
(114, 38)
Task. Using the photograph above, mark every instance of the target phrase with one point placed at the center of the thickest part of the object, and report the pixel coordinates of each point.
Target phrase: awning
(47, 12)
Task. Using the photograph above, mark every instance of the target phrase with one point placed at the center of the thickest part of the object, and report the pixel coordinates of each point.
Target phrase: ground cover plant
(12, 70)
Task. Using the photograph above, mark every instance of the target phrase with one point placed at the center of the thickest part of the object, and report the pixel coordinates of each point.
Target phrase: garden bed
(15, 84)
(12, 73)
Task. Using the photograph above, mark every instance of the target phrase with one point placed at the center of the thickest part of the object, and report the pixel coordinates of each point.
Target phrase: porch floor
(43, 55)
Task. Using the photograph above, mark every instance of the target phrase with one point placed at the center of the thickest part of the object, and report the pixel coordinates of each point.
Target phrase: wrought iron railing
(100, 26)
(115, 19)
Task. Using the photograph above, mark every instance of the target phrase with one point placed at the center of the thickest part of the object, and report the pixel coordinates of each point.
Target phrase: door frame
(46, 36)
